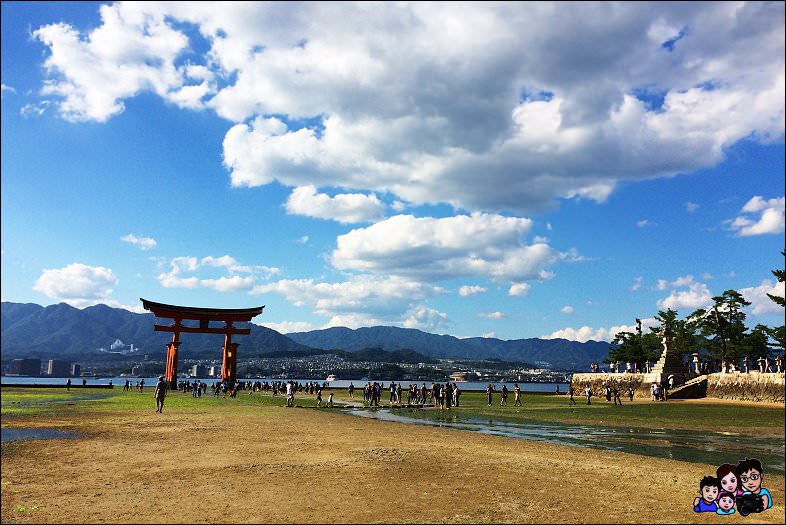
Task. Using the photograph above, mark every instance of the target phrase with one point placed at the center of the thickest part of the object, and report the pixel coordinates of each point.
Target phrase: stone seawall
(753, 386)
(597, 383)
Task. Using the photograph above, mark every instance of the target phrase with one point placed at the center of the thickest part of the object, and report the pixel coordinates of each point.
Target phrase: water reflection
(714, 448)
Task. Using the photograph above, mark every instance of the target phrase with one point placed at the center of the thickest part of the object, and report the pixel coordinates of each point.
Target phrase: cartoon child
(727, 475)
(752, 476)
(709, 487)
(725, 503)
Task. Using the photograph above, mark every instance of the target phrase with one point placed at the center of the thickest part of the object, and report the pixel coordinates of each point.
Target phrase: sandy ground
(303, 465)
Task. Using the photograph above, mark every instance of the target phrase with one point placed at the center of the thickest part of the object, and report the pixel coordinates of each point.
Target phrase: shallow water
(714, 448)
(23, 434)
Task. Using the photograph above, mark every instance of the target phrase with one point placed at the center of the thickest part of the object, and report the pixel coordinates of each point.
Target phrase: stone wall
(753, 386)
(597, 382)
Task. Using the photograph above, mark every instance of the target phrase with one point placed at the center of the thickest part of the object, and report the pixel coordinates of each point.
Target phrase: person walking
(504, 401)
(489, 390)
(571, 393)
(588, 393)
(516, 395)
(160, 394)
(68, 384)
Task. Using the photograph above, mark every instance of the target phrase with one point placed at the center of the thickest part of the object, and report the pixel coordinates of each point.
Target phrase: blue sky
(474, 169)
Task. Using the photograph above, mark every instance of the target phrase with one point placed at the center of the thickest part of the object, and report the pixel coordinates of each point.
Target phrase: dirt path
(303, 465)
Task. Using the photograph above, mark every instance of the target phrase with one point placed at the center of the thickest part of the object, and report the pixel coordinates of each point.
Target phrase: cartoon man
(751, 477)
(709, 487)
(725, 503)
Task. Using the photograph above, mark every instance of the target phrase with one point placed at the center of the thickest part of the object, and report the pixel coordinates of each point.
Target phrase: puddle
(24, 434)
(714, 448)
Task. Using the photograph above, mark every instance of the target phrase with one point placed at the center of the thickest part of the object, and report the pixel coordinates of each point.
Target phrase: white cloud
(361, 300)
(344, 208)
(477, 113)
(77, 284)
(288, 327)
(696, 296)
(757, 296)
(424, 318)
(143, 243)
(519, 289)
(636, 284)
(587, 333)
(567, 310)
(691, 207)
(770, 220)
(644, 223)
(452, 247)
(303, 240)
(467, 290)
(6, 89)
(179, 266)
(492, 315)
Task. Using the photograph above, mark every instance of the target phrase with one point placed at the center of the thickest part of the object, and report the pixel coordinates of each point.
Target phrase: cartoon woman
(725, 503)
(727, 475)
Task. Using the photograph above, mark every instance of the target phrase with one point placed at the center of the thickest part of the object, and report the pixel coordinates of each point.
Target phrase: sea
(469, 386)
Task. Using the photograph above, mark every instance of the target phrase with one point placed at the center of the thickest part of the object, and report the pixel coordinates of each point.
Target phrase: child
(725, 503)
(709, 487)
(752, 476)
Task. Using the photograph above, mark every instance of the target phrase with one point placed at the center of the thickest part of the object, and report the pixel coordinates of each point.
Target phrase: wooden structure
(204, 316)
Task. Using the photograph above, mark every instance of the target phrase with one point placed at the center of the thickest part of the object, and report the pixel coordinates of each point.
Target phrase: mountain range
(62, 331)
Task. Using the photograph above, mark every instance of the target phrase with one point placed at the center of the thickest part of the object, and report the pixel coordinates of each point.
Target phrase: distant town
(301, 367)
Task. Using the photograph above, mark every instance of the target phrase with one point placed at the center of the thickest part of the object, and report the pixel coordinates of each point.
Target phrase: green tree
(779, 274)
(722, 329)
(778, 333)
(629, 347)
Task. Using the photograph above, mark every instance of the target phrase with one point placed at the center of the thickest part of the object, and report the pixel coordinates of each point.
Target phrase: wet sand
(303, 465)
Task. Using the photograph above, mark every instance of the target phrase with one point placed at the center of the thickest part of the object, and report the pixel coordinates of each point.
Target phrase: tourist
(84, 381)
(127, 386)
(607, 391)
(556, 391)
(516, 395)
(456, 394)
(351, 390)
(330, 399)
(709, 489)
(290, 394)
(68, 384)
(504, 400)
(489, 390)
(319, 397)
(160, 394)
(141, 386)
(571, 393)
(616, 394)
(588, 393)
(630, 393)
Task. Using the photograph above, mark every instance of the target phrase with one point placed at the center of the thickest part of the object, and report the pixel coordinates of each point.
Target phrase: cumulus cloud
(5, 89)
(360, 301)
(691, 207)
(696, 296)
(445, 248)
(288, 327)
(757, 296)
(587, 333)
(636, 284)
(770, 217)
(181, 270)
(467, 290)
(78, 284)
(492, 315)
(344, 208)
(477, 113)
(143, 243)
(519, 289)
(567, 310)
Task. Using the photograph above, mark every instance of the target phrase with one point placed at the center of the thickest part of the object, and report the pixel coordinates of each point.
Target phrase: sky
(475, 169)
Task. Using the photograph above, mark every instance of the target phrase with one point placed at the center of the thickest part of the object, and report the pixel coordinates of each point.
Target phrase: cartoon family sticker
(737, 485)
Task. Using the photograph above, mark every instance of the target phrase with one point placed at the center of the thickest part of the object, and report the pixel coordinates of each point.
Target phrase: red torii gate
(178, 314)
